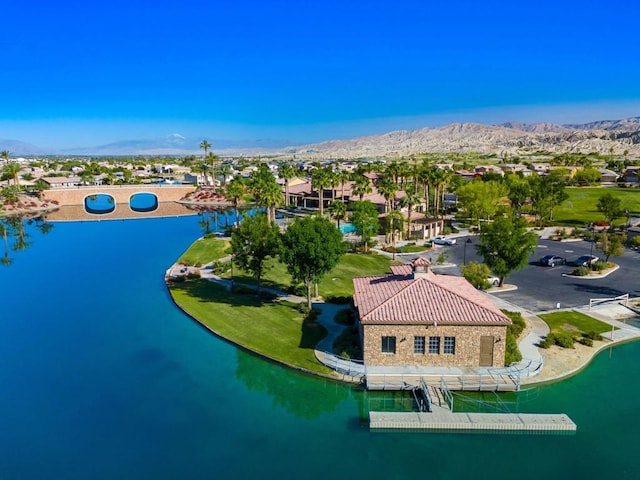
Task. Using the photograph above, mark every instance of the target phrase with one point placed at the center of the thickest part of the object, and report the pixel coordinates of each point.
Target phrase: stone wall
(467, 345)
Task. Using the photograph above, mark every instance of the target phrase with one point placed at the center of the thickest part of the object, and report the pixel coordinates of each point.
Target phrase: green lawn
(205, 250)
(274, 329)
(337, 283)
(581, 206)
(572, 321)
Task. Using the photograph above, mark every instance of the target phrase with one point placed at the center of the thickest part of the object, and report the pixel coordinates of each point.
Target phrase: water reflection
(14, 235)
(298, 394)
(99, 204)
(143, 202)
(219, 219)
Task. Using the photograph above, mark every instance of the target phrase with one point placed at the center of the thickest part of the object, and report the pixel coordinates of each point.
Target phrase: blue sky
(89, 73)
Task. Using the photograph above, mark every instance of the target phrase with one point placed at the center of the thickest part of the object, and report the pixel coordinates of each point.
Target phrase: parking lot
(542, 288)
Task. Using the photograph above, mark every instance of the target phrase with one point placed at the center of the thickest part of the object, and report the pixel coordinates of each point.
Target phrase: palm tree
(394, 221)
(338, 211)
(225, 170)
(319, 181)
(286, 172)
(205, 146)
(362, 186)
(410, 199)
(12, 169)
(387, 188)
(234, 192)
(343, 177)
(271, 197)
(87, 178)
(213, 158)
(4, 154)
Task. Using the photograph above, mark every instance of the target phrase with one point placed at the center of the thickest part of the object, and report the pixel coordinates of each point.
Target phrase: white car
(444, 241)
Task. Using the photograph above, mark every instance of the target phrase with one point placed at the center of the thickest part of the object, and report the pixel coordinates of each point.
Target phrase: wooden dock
(442, 420)
(478, 383)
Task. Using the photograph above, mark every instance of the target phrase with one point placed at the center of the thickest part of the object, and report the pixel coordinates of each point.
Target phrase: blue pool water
(103, 378)
(346, 228)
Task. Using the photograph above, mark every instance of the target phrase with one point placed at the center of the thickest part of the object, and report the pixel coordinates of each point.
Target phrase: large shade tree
(252, 243)
(505, 245)
(311, 247)
(610, 207)
(365, 220)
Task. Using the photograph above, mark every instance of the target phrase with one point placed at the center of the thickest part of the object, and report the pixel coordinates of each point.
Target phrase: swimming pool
(346, 228)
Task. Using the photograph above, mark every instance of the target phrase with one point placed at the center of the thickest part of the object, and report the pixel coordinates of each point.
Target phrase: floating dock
(444, 420)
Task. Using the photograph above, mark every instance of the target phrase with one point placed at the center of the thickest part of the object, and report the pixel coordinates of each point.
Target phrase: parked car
(585, 260)
(552, 260)
(444, 241)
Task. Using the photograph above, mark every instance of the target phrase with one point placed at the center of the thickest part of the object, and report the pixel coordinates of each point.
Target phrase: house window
(418, 344)
(434, 345)
(388, 344)
(449, 345)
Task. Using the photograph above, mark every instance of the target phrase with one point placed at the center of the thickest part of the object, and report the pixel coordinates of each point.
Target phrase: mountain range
(514, 138)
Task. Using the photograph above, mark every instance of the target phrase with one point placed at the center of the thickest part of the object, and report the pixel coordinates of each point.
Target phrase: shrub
(592, 335)
(518, 325)
(512, 352)
(586, 341)
(581, 271)
(635, 242)
(348, 343)
(561, 339)
(547, 342)
(344, 300)
(564, 339)
(599, 266)
(193, 274)
(302, 308)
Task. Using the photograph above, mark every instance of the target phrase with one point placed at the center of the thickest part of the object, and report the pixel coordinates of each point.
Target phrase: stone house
(414, 317)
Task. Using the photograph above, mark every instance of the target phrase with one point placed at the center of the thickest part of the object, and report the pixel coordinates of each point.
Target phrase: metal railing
(346, 366)
(599, 301)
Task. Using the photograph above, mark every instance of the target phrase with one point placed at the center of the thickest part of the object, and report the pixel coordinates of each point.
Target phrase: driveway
(543, 288)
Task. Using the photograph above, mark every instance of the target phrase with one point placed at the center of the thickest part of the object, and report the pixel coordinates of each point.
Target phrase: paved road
(542, 288)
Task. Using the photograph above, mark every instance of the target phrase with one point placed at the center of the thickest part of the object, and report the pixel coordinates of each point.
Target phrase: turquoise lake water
(102, 377)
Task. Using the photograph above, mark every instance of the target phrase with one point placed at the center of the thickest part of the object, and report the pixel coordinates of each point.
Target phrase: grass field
(574, 322)
(581, 206)
(205, 250)
(274, 329)
(337, 283)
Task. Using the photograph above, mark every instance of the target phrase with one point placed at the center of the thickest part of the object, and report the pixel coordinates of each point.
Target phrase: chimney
(420, 267)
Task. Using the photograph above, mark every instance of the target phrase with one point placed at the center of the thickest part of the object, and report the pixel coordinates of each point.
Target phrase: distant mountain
(513, 138)
(18, 148)
(627, 124)
(542, 127)
(175, 144)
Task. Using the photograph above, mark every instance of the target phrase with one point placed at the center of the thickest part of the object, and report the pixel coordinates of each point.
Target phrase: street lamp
(464, 261)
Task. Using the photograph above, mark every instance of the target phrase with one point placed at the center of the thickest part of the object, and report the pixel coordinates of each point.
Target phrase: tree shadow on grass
(210, 292)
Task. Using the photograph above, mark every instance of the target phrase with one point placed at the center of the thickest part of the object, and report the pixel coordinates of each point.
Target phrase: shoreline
(556, 353)
(334, 376)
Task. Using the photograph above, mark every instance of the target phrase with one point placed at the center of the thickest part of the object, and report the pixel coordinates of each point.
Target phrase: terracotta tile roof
(428, 299)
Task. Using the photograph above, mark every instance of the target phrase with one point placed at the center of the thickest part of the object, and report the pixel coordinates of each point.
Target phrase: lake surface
(103, 377)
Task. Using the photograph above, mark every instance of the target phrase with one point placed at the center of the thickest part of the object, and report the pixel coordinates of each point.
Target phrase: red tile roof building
(416, 317)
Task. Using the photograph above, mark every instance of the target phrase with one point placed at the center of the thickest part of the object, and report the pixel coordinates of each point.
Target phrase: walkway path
(557, 363)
